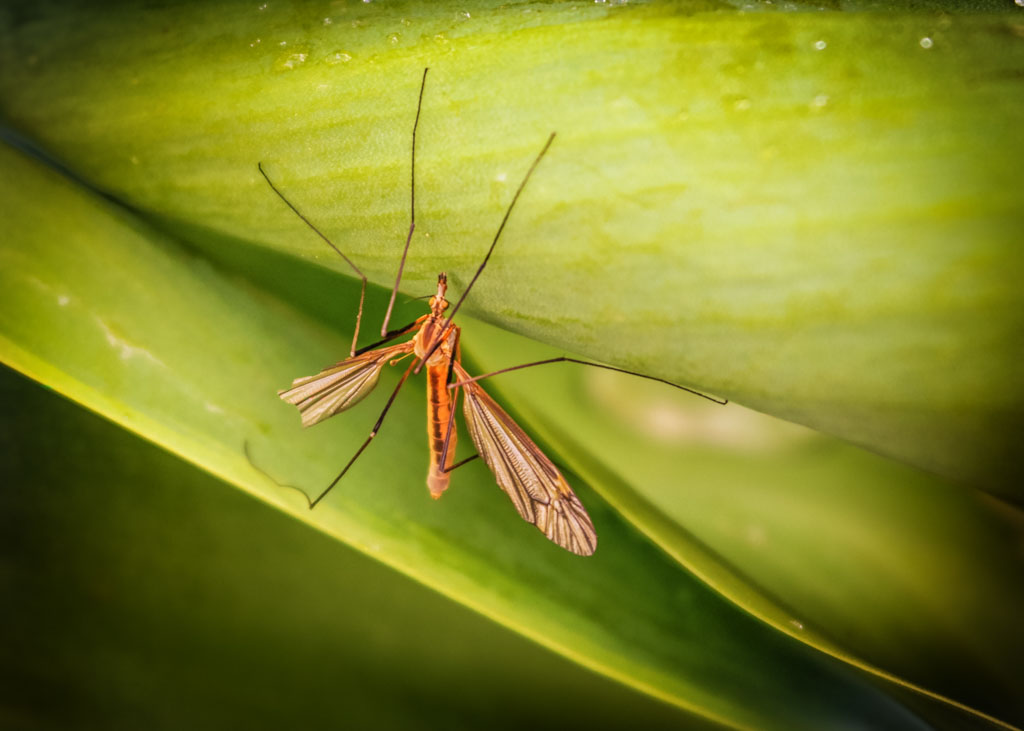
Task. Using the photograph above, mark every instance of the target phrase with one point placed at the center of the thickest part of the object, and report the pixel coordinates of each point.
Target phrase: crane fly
(536, 488)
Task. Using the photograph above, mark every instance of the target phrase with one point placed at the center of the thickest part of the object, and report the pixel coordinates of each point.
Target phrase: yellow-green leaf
(817, 214)
(135, 328)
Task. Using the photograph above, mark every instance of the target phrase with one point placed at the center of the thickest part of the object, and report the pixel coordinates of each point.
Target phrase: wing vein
(340, 386)
(534, 485)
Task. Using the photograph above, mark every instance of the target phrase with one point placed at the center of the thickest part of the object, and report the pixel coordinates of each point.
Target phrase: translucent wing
(340, 386)
(530, 479)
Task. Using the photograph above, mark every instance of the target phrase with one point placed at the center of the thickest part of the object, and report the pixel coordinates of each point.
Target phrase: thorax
(429, 333)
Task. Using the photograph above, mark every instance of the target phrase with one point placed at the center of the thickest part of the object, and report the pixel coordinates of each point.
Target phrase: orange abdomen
(439, 409)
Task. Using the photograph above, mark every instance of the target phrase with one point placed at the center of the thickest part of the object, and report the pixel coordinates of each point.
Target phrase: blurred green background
(813, 211)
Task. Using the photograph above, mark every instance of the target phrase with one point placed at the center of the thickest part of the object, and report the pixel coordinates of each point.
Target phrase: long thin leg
(451, 414)
(494, 243)
(448, 436)
(456, 355)
(373, 433)
(391, 335)
(459, 464)
(362, 292)
(412, 209)
(448, 432)
(564, 359)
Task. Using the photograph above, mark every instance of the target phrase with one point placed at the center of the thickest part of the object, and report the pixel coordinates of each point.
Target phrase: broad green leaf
(792, 526)
(893, 189)
(864, 558)
(131, 326)
(139, 579)
(817, 214)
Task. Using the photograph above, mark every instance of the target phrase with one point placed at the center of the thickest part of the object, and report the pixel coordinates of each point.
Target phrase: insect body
(538, 491)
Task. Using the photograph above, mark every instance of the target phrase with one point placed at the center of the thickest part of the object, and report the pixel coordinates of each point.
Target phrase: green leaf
(815, 214)
(141, 579)
(813, 217)
(127, 324)
(885, 567)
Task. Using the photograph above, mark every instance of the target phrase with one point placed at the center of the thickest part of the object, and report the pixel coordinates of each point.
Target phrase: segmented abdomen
(439, 409)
